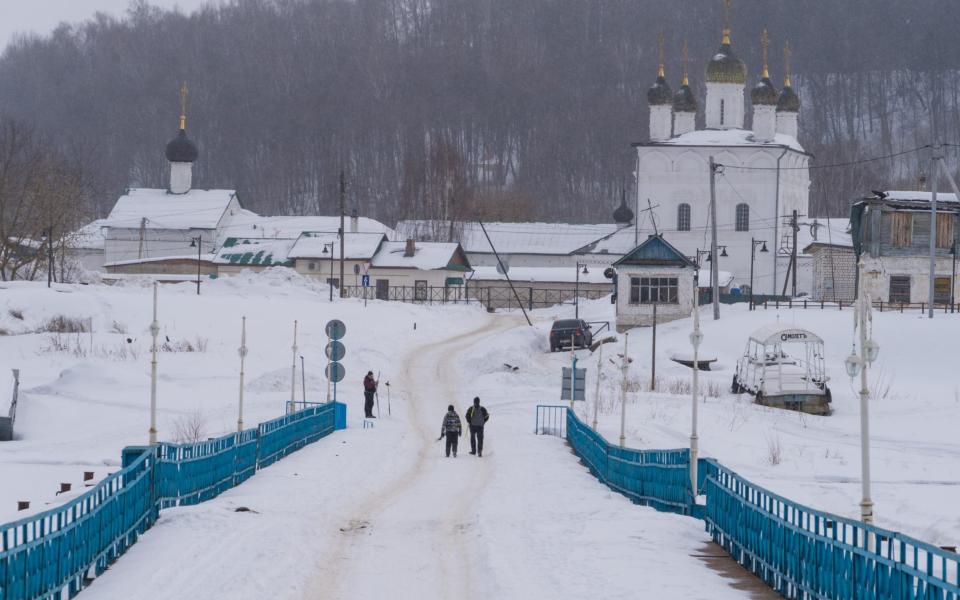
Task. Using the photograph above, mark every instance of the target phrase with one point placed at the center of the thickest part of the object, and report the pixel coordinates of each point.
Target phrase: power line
(834, 165)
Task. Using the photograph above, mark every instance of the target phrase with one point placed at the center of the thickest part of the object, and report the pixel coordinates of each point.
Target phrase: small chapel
(763, 177)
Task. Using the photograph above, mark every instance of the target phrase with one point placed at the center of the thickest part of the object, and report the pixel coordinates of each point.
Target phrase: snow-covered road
(380, 513)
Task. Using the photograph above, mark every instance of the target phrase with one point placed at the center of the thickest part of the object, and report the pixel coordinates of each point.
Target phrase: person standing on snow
(369, 390)
(477, 417)
(452, 429)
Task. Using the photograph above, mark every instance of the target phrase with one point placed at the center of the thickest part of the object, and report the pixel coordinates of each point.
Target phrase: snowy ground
(364, 513)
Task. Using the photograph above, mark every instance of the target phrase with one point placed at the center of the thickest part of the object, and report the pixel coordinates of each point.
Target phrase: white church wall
(124, 243)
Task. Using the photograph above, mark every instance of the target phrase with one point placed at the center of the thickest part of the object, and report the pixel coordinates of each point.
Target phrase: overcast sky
(42, 16)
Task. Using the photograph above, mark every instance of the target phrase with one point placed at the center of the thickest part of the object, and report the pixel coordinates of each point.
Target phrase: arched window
(743, 217)
(683, 217)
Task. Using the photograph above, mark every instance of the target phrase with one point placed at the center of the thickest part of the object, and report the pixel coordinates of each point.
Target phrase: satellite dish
(503, 267)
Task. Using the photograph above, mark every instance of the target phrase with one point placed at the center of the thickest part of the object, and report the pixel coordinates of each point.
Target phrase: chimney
(354, 220)
(410, 249)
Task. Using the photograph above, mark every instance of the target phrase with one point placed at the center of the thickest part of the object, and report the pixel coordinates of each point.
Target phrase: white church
(763, 178)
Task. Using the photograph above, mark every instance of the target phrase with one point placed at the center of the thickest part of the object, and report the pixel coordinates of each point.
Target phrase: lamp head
(871, 350)
(853, 364)
(585, 271)
(193, 242)
(764, 247)
(723, 253)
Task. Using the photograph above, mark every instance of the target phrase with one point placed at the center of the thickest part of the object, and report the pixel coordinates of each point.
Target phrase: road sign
(579, 381)
(335, 329)
(335, 350)
(335, 372)
(365, 280)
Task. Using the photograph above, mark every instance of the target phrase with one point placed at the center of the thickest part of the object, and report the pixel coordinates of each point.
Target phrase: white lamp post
(696, 338)
(154, 331)
(623, 393)
(859, 365)
(243, 355)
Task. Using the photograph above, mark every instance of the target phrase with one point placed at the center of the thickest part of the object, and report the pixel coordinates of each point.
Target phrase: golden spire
(765, 42)
(726, 21)
(183, 106)
(661, 71)
(786, 64)
(686, 80)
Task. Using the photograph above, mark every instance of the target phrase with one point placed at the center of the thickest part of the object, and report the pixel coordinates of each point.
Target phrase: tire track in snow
(411, 538)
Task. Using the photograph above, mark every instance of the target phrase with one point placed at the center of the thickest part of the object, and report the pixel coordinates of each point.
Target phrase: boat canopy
(777, 334)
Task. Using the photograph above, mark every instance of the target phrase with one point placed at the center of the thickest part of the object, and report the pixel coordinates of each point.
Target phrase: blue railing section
(798, 551)
(60, 550)
(551, 420)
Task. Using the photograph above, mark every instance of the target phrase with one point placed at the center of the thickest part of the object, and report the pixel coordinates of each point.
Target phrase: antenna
(183, 105)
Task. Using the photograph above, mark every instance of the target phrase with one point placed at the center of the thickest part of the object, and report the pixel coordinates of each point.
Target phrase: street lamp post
(753, 252)
(709, 255)
(197, 242)
(858, 365)
(154, 331)
(325, 247)
(696, 337)
(576, 293)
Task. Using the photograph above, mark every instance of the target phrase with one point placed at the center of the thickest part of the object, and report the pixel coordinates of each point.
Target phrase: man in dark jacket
(452, 429)
(369, 389)
(477, 417)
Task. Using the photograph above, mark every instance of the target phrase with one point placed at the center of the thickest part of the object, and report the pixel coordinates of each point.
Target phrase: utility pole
(934, 188)
(154, 331)
(343, 214)
(696, 337)
(596, 396)
(793, 255)
(714, 264)
(623, 393)
(143, 227)
(653, 352)
(293, 374)
(956, 191)
(243, 356)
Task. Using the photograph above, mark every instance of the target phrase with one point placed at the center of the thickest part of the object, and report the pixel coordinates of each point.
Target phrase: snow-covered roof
(727, 137)
(255, 251)
(90, 236)
(776, 333)
(153, 259)
(511, 238)
(358, 246)
(830, 232)
(247, 223)
(704, 280)
(541, 275)
(426, 256)
(196, 209)
(919, 196)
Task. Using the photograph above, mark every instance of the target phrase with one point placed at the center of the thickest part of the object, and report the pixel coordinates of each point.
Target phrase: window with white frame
(653, 290)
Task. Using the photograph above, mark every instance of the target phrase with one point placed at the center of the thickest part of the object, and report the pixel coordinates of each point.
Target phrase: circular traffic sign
(335, 350)
(335, 372)
(335, 329)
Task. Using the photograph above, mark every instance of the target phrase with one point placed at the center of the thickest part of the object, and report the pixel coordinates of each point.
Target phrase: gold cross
(183, 105)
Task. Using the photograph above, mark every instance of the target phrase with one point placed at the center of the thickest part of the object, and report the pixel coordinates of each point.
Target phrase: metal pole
(866, 504)
(576, 295)
(793, 256)
(199, 249)
(933, 230)
(505, 274)
(343, 212)
(293, 373)
(596, 396)
(956, 191)
(714, 264)
(694, 437)
(49, 256)
(243, 356)
(653, 352)
(303, 380)
(154, 331)
(331, 271)
(623, 394)
(753, 253)
(573, 374)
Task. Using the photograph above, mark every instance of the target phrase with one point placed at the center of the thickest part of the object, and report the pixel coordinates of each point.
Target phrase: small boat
(794, 380)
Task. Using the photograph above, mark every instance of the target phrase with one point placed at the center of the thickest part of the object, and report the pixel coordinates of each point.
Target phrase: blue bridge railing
(58, 551)
(798, 551)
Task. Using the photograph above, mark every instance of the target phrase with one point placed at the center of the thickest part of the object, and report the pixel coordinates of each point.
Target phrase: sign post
(335, 351)
(365, 279)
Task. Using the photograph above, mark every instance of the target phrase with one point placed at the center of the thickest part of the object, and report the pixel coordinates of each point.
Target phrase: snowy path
(380, 513)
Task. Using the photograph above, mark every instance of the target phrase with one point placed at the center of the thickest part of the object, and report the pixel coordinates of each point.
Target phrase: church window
(683, 217)
(722, 109)
(743, 217)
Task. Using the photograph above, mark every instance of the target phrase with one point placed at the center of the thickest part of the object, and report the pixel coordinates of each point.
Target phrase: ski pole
(377, 394)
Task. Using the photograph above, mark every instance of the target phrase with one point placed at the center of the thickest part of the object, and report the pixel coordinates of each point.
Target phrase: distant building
(891, 233)
(654, 273)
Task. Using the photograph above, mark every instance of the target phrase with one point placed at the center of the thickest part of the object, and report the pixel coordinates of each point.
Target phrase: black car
(567, 332)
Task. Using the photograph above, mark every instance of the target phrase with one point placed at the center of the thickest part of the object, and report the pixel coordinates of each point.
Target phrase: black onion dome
(660, 92)
(181, 149)
(725, 67)
(788, 100)
(623, 214)
(764, 93)
(684, 100)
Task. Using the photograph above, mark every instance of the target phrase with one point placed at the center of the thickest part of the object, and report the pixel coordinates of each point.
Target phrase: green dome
(684, 100)
(764, 93)
(788, 100)
(725, 67)
(660, 92)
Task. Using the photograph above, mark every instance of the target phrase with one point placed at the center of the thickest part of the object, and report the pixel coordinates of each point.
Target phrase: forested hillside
(495, 108)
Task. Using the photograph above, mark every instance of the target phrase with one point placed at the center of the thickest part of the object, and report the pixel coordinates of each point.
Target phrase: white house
(654, 273)
(763, 175)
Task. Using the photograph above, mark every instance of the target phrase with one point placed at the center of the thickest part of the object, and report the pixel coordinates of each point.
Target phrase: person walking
(477, 417)
(452, 428)
(369, 391)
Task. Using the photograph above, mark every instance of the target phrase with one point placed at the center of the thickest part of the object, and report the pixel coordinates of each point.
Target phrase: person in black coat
(452, 428)
(369, 390)
(477, 417)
